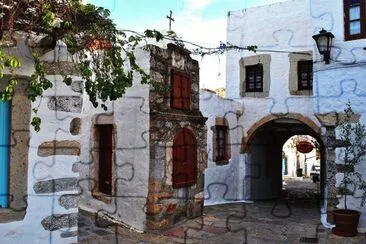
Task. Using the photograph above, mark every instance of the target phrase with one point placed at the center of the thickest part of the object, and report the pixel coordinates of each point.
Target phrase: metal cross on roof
(170, 20)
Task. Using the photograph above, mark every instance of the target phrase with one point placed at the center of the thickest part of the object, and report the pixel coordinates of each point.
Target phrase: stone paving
(279, 221)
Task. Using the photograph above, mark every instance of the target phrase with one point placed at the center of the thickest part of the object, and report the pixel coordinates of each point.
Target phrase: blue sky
(199, 21)
(128, 13)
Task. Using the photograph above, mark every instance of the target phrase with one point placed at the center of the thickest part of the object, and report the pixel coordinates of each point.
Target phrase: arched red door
(184, 159)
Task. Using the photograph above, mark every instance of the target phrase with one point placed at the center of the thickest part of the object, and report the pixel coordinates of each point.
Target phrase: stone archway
(263, 152)
(292, 116)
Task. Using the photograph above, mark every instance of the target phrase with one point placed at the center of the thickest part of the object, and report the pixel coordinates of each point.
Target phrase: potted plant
(353, 136)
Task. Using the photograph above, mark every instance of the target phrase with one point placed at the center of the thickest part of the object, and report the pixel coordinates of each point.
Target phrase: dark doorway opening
(267, 158)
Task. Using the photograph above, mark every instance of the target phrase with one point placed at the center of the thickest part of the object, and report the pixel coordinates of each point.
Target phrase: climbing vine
(99, 50)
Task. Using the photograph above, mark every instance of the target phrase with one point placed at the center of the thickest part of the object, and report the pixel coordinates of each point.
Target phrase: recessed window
(305, 75)
(355, 19)
(221, 141)
(181, 90)
(254, 78)
(105, 133)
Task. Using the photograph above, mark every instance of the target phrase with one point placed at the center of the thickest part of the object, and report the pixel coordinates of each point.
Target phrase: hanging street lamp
(324, 43)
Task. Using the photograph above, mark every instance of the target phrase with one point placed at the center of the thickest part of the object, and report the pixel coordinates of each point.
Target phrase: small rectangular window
(221, 142)
(354, 19)
(254, 78)
(181, 91)
(105, 133)
(305, 75)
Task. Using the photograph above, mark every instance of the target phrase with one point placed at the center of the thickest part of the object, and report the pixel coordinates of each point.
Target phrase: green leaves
(101, 51)
(12, 62)
(355, 134)
(38, 82)
(36, 123)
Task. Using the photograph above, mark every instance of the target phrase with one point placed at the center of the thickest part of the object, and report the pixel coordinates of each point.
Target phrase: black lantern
(324, 43)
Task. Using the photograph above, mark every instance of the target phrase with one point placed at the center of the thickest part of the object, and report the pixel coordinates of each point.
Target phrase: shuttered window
(184, 159)
(305, 75)
(181, 90)
(105, 133)
(254, 78)
(354, 19)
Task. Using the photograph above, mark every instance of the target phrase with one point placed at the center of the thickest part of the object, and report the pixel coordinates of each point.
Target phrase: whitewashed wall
(342, 80)
(284, 26)
(222, 178)
(41, 170)
(132, 154)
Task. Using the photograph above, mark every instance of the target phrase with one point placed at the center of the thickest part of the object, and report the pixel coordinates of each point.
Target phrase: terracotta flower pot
(346, 222)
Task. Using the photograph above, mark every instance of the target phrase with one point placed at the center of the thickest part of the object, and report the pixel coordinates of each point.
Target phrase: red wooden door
(105, 158)
(184, 159)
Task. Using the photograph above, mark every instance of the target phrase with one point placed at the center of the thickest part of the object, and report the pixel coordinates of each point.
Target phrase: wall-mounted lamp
(324, 43)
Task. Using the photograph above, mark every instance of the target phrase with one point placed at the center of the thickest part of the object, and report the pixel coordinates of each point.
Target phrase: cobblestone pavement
(301, 187)
(260, 222)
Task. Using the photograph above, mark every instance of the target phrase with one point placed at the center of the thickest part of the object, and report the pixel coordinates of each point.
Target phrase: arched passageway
(264, 151)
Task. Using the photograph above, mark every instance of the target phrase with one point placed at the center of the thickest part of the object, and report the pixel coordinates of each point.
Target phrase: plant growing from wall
(353, 135)
(99, 49)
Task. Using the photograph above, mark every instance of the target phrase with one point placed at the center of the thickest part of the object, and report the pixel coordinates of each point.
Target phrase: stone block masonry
(167, 205)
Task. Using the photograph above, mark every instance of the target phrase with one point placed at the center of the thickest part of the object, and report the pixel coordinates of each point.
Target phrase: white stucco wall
(55, 126)
(284, 26)
(342, 80)
(222, 178)
(132, 153)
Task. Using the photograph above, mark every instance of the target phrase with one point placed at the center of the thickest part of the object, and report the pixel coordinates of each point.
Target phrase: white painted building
(126, 163)
(344, 79)
(274, 96)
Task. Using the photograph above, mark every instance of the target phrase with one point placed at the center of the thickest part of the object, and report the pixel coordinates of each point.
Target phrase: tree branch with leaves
(99, 48)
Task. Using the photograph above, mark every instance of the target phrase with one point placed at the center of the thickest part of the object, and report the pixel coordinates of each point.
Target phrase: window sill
(9, 215)
(255, 94)
(355, 37)
(102, 197)
(302, 93)
(222, 162)
(186, 184)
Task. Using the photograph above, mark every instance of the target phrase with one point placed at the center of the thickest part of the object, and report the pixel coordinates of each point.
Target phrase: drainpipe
(4, 153)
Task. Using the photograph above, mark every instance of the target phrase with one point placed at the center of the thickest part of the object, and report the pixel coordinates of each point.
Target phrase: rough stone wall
(50, 197)
(337, 83)
(166, 205)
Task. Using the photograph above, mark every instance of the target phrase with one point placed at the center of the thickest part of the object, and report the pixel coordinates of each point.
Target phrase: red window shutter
(184, 159)
(181, 91)
(177, 91)
(186, 92)
(105, 158)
